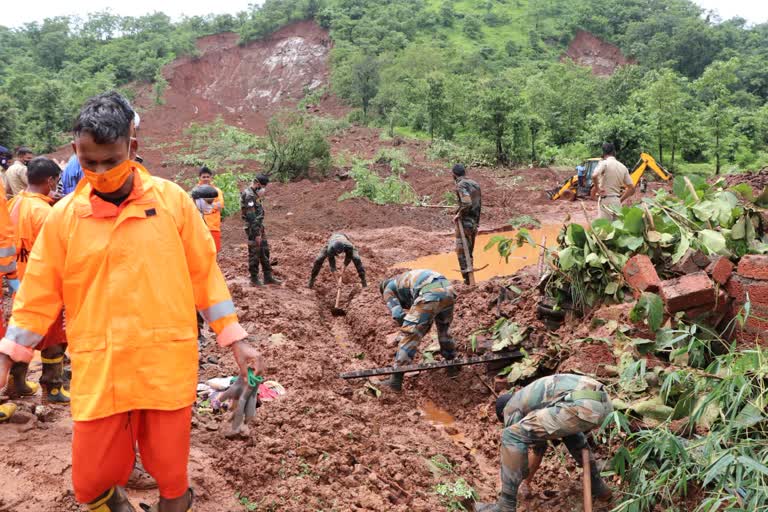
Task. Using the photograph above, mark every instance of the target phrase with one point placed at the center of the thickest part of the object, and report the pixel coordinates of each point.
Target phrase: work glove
(14, 285)
(246, 393)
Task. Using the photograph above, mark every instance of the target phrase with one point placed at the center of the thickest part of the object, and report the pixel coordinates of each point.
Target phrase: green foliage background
(483, 75)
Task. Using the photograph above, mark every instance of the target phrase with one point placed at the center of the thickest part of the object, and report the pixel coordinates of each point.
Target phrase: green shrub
(229, 183)
(296, 142)
(369, 185)
(396, 158)
(217, 145)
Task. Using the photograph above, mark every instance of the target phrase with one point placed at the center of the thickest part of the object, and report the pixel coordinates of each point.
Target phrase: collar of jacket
(88, 204)
(43, 197)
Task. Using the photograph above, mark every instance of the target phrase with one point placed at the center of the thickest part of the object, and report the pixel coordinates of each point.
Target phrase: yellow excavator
(580, 186)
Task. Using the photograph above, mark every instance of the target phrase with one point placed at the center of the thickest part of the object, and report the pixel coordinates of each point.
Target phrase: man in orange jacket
(211, 211)
(130, 259)
(7, 270)
(28, 211)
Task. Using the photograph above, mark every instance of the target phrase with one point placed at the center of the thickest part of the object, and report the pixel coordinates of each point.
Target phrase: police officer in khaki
(612, 183)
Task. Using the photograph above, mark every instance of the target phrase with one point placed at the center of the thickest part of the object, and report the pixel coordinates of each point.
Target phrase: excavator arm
(648, 162)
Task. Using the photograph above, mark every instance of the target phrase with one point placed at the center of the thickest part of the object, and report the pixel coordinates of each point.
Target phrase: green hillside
(482, 78)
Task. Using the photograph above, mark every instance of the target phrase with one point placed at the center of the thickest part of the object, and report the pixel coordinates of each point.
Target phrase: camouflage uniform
(470, 206)
(428, 297)
(258, 246)
(562, 406)
(337, 244)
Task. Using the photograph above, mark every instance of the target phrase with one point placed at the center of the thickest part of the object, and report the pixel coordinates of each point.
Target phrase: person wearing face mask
(252, 207)
(16, 175)
(28, 211)
(470, 206)
(211, 208)
(129, 257)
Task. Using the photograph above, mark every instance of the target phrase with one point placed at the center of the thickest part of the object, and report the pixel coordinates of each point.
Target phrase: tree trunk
(717, 152)
(533, 147)
(672, 167)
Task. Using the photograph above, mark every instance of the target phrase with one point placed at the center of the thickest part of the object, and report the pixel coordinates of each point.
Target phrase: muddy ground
(329, 444)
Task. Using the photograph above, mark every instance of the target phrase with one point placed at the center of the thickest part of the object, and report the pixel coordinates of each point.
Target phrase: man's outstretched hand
(247, 356)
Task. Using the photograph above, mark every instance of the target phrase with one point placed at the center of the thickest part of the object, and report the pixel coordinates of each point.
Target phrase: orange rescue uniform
(28, 211)
(130, 278)
(7, 249)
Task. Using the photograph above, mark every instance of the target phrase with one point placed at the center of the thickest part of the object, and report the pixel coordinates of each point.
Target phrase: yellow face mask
(109, 181)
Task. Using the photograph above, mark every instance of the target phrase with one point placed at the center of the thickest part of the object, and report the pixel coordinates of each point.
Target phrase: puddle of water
(448, 264)
(442, 418)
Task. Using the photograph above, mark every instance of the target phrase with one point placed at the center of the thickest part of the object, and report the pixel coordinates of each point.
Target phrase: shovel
(587, 482)
(337, 311)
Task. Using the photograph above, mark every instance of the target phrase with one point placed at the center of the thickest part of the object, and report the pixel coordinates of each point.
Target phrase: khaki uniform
(16, 179)
(613, 176)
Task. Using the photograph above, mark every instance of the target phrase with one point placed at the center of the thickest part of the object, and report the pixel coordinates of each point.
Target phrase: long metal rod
(388, 370)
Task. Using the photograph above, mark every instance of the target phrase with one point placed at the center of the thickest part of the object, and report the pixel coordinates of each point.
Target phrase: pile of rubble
(712, 291)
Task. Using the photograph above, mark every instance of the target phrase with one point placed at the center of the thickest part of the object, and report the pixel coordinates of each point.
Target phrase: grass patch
(369, 185)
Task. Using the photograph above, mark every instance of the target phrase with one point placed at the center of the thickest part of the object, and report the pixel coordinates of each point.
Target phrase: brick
(757, 321)
(641, 275)
(721, 270)
(688, 291)
(714, 313)
(754, 266)
(758, 292)
(737, 288)
(687, 264)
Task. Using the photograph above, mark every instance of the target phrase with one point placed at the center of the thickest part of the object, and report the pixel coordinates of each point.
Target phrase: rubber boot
(181, 504)
(311, 283)
(52, 379)
(395, 382)
(18, 385)
(363, 281)
(270, 279)
(6, 411)
(114, 500)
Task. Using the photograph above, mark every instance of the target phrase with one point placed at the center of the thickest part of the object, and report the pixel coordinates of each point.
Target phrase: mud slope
(244, 84)
(589, 50)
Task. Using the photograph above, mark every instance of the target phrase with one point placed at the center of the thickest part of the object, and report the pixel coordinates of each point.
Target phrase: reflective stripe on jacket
(130, 278)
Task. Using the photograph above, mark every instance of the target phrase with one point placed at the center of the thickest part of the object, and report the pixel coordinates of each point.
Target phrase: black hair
(609, 148)
(205, 170)
(459, 170)
(261, 178)
(40, 169)
(107, 117)
(501, 403)
(23, 150)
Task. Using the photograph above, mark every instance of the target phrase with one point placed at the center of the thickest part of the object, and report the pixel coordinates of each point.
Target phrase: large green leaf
(568, 257)
(739, 230)
(712, 242)
(576, 235)
(630, 242)
(648, 307)
(633, 221)
(682, 247)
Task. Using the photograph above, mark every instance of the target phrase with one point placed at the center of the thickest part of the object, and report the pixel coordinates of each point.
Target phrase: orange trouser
(104, 451)
(217, 238)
